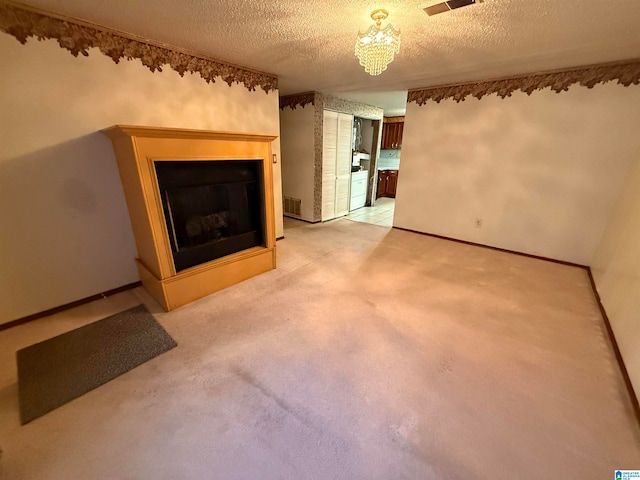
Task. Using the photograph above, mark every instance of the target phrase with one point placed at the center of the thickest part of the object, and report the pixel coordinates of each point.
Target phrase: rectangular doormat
(54, 372)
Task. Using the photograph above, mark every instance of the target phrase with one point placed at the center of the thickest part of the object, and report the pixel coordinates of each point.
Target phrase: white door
(343, 164)
(329, 154)
(336, 164)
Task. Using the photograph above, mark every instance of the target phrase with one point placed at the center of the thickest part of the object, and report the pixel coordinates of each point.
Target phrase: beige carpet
(368, 354)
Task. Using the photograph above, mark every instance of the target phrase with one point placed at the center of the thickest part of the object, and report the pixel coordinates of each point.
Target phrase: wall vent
(291, 206)
(446, 6)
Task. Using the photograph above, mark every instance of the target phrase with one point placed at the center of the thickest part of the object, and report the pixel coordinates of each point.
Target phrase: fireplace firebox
(211, 209)
(201, 208)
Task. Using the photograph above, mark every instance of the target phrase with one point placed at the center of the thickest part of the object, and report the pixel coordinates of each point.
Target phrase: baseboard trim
(614, 344)
(67, 306)
(465, 242)
(302, 219)
(280, 238)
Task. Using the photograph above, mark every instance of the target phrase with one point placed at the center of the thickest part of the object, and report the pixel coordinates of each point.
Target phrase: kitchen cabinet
(392, 130)
(387, 183)
(336, 164)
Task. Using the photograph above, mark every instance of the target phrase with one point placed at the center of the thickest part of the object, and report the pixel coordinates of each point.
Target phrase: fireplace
(201, 208)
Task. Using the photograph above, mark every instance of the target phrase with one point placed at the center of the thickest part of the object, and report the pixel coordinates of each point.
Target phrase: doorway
(383, 176)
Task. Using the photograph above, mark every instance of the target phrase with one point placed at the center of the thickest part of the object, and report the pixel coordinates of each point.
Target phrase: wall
(616, 271)
(297, 137)
(65, 228)
(541, 171)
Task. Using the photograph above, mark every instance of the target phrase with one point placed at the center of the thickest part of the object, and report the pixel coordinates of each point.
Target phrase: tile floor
(380, 214)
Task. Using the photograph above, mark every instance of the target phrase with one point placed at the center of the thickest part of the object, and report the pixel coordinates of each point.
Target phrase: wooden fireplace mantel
(137, 149)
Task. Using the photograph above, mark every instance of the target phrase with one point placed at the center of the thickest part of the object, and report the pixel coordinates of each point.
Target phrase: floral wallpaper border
(626, 73)
(299, 99)
(78, 37)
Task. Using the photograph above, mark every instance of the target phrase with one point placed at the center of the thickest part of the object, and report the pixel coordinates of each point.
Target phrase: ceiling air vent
(446, 6)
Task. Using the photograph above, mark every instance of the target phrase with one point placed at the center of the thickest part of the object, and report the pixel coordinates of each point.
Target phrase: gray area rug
(54, 372)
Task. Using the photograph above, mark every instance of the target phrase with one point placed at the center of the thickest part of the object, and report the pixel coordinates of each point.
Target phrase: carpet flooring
(369, 353)
(56, 371)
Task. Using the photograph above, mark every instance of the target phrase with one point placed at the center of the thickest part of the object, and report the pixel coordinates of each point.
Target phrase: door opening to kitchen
(384, 179)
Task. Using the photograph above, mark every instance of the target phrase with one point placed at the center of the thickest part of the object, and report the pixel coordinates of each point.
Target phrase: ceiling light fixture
(376, 47)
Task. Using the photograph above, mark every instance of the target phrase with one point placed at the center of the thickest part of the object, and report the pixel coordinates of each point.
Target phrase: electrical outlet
(478, 222)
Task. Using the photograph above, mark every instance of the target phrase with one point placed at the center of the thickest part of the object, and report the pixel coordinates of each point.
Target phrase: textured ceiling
(309, 43)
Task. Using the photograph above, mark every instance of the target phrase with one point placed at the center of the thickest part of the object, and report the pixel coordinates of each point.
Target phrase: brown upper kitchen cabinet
(392, 129)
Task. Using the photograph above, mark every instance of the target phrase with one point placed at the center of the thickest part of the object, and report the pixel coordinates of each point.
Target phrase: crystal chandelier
(376, 47)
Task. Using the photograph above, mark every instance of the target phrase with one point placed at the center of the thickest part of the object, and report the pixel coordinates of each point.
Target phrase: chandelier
(376, 47)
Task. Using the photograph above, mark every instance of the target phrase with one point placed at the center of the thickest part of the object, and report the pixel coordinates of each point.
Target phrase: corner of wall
(616, 273)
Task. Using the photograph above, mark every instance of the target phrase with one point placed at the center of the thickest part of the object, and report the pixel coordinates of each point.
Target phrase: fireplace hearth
(201, 208)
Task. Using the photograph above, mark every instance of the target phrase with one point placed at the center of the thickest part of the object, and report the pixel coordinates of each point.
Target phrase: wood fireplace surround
(143, 155)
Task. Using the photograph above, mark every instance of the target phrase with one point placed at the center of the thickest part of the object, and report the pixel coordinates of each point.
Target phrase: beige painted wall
(297, 146)
(616, 271)
(65, 232)
(541, 171)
